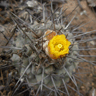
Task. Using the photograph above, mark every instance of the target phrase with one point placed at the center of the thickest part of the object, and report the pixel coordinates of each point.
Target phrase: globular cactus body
(52, 68)
(32, 58)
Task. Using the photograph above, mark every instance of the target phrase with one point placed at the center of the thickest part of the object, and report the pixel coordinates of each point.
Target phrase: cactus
(43, 65)
(30, 58)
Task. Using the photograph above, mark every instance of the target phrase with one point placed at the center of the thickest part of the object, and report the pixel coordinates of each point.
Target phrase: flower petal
(54, 51)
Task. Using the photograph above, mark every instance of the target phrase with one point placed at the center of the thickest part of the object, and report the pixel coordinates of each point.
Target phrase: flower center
(58, 47)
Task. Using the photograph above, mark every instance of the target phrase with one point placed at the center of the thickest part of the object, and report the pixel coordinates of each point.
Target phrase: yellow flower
(58, 46)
